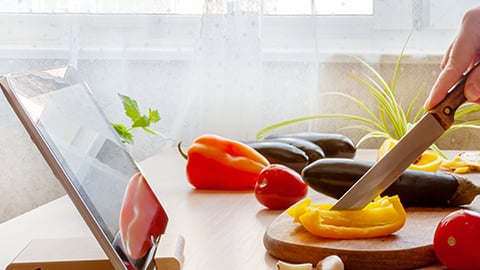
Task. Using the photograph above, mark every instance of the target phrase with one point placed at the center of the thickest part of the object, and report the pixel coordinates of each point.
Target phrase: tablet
(59, 112)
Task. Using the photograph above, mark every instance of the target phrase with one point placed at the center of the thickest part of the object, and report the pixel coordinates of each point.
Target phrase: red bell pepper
(214, 162)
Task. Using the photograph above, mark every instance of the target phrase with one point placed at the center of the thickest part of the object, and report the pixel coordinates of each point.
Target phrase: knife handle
(445, 110)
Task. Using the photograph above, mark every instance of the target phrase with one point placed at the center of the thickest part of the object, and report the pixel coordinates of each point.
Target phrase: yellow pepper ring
(428, 161)
(381, 217)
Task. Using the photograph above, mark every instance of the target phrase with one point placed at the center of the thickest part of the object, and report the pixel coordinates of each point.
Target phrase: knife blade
(422, 135)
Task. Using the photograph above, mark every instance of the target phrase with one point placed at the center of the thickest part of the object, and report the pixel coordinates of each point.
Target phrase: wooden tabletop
(222, 230)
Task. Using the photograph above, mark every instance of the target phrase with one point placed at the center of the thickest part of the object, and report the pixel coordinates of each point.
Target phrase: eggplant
(313, 151)
(334, 176)
(333, 145)
(281, 153)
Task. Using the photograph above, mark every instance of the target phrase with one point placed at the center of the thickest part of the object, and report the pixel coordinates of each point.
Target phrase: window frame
(284, 37)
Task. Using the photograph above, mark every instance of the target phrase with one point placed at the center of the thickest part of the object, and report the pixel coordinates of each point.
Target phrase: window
(319, 7)
(198, 62)
(271, 7)
(343, 25)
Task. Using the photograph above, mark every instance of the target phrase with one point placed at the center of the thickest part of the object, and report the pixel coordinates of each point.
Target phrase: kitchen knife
(423, 134)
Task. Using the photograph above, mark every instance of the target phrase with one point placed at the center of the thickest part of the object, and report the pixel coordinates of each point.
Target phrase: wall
(26, 180)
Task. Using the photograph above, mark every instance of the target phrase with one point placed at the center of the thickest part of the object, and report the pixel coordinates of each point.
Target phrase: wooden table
(222, 230)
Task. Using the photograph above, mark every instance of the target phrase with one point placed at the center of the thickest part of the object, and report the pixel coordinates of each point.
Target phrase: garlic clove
(332, 262)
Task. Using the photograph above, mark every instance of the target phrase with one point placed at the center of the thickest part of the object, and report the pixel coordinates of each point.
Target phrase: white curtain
(232, 89)
(226, 70)
(229, 71)
(223, 72)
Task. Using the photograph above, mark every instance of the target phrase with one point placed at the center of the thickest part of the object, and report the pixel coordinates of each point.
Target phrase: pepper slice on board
(215, 162)
(384, 216)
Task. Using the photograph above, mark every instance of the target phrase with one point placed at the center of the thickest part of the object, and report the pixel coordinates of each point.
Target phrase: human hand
(462, 54)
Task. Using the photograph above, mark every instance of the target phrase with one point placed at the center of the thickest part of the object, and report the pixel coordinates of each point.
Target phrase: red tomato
(279, 187)
(457, 238)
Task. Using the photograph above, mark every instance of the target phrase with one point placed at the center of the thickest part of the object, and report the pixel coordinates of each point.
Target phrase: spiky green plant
(390, 120)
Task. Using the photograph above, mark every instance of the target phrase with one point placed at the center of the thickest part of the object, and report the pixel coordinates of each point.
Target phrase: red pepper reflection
(141, 218)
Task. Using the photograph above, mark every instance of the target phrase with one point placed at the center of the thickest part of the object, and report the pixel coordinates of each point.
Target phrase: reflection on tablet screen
(86, 155)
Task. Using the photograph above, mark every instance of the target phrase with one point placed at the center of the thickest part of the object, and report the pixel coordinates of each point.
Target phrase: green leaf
(153, 116)
(412, 104)
(467, 108)
(399, 59)
(142, 121)
(391, 119)
(372, 135)
(437, 150)
(455, 127)
(123, 132)
(358, 102)
(268, 129)
(130, 107)
(377, 75)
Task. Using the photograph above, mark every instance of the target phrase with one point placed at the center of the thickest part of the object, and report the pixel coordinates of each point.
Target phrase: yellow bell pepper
(428, 161)
(384, 216)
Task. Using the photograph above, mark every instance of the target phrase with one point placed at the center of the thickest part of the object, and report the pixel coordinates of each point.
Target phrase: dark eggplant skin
(334, 145)
(313, 151)
(334, 176)
(281, 153)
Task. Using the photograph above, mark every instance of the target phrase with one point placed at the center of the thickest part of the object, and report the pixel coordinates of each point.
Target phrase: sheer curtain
(222, 71)
(230, 70)
(232, 88)
(226, 78)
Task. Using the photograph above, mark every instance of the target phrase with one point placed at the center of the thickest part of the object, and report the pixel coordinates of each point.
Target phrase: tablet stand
(60, 254)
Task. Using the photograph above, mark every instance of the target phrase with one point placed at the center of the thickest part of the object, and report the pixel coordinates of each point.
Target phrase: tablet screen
(100, 176)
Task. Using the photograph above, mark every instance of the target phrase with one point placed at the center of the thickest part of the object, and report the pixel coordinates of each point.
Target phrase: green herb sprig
(138, 120)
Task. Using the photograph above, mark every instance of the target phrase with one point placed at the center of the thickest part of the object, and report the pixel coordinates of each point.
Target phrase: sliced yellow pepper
(384, 216)
(464, 162)
(428, 161)
(457, 165)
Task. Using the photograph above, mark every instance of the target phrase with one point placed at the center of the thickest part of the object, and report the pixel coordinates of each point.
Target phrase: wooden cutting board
(408, 248)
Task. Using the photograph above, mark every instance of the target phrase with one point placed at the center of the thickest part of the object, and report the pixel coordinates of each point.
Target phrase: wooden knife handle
(445, 110)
